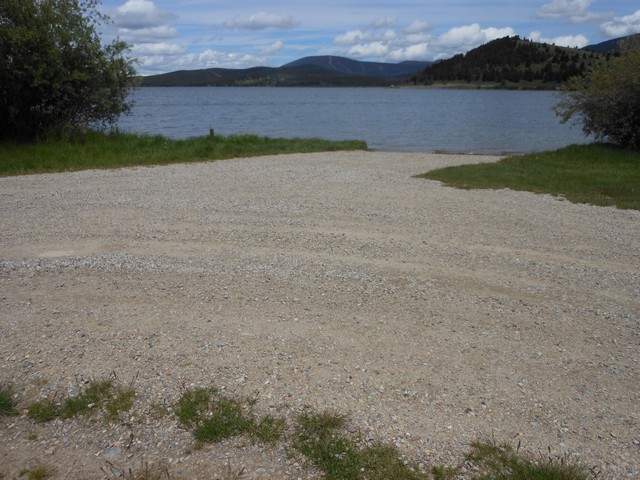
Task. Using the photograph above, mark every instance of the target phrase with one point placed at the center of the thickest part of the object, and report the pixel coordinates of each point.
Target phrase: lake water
(391, 119)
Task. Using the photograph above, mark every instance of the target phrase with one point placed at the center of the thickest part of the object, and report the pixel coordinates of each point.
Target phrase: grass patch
(595, 174)
(101, 396)
(37, 473)
(96, 150)
(502, 462)
(212, 418)
(7, 403)
(43, 410)
(319, 439)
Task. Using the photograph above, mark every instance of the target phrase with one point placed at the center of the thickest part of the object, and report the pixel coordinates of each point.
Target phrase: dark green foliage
(502, 462)
(54, 72)
(512, 60)
(594, 174)
(7, 404)
(607, 100)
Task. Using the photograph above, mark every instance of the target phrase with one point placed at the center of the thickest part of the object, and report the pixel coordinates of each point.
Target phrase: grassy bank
(97, 150)
(594, 174)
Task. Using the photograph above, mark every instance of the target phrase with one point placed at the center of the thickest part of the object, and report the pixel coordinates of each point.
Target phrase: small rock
(111, 452)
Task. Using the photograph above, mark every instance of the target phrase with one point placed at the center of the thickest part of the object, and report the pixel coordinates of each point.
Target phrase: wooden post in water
(211, 133)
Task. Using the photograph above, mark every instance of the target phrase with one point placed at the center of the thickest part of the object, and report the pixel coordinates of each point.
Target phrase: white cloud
(469, 36)
(272, 49)
(373, 49)
(562, 41)
(384, 22)
(414, 42)
(351, 37)
(262, 21)
(140, 22)
(146, 49)
(564, 8)
(412, 52)
(148, 35)
(140, 14)
(577, 11)
(417, 27)
(622, 26)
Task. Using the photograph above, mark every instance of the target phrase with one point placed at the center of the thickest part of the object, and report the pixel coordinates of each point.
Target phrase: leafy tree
(54, 71)
(606, 101)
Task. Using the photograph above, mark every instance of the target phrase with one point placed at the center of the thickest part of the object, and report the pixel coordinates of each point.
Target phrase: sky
(192, 34)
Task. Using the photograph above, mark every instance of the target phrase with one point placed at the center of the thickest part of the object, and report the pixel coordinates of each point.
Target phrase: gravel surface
(431, 316)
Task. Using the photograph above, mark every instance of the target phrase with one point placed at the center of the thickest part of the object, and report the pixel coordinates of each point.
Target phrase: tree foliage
(55, 72)
(510, 59)
(606, 101)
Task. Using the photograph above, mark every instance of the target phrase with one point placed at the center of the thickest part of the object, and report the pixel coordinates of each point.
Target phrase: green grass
(319, 439)
(42, 410)
(37, 473)
(502, 462)
(99, 151)
(594, 174)
(101, 396)
(213, 417)
(7, 403)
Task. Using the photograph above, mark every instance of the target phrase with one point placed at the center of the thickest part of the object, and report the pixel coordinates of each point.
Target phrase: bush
(7, 404)
(54, 72)
(606, 101)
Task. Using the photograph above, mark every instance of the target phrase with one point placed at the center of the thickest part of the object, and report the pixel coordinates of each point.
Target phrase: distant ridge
(509, 62)
(354, 67)
(309, 71)
(610, 46)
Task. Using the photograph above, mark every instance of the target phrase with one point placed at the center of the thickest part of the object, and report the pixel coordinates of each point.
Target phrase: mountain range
(509, 60)
(325, 70)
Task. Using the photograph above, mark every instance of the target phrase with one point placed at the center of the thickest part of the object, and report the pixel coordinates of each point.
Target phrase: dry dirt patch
(432, 316)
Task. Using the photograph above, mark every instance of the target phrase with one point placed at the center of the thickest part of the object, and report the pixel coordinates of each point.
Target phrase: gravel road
(431, 316)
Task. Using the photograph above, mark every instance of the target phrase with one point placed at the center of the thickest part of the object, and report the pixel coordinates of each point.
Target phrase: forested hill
(510, 61)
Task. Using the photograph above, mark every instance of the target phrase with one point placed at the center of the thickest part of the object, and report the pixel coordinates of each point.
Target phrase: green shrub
(7, 403)
(606, 101)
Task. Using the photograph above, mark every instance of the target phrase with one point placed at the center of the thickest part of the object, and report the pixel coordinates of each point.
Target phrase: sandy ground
(431, 316)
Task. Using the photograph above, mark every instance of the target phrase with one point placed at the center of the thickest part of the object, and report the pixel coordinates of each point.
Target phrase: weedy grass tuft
(101, 396)
(212, 417)
(38, 473)
(440, 472)
(193, 405)
(502, 462)
(7, 403)
(268, 429)
(319, 439)
(225, 419)
(42, 410)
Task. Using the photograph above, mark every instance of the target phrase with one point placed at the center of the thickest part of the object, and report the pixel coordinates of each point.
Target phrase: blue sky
(170, 35)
